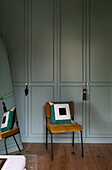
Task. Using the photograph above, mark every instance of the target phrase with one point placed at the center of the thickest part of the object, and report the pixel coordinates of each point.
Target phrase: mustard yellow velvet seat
(58, 128)
(12, 132)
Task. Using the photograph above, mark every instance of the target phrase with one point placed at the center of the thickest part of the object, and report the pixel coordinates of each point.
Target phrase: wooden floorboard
(66, 157)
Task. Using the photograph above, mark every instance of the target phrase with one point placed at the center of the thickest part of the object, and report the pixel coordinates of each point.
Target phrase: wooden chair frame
(12, 132)
(61, 128)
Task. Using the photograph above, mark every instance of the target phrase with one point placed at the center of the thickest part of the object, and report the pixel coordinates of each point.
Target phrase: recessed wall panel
(100, 118)
(20, 105)
(40, 95)
(100, 41)
(42, 41)
(73, 94)
(14, 36)
(71, 40)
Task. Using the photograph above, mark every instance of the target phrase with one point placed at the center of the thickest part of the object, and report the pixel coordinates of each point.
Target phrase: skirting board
(66, 140)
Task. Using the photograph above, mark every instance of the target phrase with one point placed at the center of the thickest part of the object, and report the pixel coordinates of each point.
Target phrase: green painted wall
(6, 89)
(6, 92)
(57, 46)
(0, 16)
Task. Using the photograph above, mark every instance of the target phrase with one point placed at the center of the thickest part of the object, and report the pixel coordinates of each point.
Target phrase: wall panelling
(100, 119)
(71, 51)
(42, 47)
(14, 36)
(40, 94)
(100, 41)
(0, 17)
(57, 46)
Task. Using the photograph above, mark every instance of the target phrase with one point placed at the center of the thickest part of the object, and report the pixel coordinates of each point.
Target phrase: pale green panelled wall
(6, 92)
(6, 89)
(0, 34)
(71, 37)
(57, 46)
(100, 69)
(100, 41)
(0, 16)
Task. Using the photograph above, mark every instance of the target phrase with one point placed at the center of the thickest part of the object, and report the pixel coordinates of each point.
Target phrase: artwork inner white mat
(62, 111)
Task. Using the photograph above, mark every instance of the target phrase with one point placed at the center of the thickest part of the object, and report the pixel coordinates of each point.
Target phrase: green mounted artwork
(60, 112)
(6, 94)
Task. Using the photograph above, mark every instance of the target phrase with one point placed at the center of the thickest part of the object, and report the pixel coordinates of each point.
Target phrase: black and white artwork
(62, 111)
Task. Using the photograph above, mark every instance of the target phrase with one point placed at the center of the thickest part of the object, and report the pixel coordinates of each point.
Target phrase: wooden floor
(66, 157)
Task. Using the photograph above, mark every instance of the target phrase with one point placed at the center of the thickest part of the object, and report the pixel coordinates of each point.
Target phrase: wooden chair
(12, 132)
(58, 128)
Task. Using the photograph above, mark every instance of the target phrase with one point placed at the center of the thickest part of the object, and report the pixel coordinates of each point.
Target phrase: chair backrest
(13, 109)
(15, 114)
(48, 110)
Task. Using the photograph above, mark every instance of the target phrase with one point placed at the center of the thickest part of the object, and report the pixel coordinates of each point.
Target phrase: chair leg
(5, 146)
(51, 146)
(82, 144)
(73, 139)
(46, 136)
(16, 143)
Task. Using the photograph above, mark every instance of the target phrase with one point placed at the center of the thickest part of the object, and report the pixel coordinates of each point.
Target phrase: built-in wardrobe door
(41, 65)
(14, 31)
(71, 58)
(100, 68)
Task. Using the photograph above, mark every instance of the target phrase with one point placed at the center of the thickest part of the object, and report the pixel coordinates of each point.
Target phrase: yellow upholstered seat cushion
(57, 128)
(9, 133)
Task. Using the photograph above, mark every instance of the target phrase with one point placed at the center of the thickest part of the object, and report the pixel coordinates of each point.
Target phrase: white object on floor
(14, 162)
